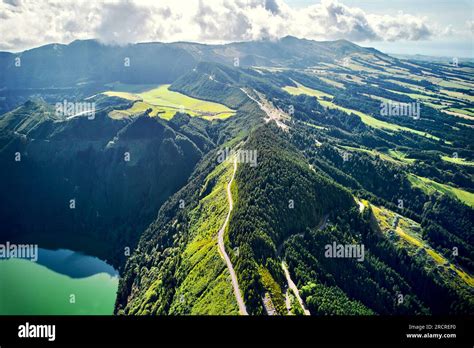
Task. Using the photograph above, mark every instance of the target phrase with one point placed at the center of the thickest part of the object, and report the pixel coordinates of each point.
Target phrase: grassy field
(314, 126)
(416, 96)
(300, 89)
(165, 103)
(450, 84)
(415, 88)
(433, 105)
(374, 153)
(358, 67)
(458, 114)
(123, 95)
(466, 111)
(376, 123)
(401, 156)
(458, 95)
(137, 108)
(332, 82)
(428, 97)
(407, 235)
(206, 287)
(368, 120)
(460, 161)
(274, 290)
(429, 186)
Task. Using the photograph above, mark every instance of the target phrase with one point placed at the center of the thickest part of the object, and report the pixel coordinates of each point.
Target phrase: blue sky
(443, 13)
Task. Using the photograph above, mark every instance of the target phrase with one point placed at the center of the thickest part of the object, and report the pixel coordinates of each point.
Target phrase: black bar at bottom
(209, 330)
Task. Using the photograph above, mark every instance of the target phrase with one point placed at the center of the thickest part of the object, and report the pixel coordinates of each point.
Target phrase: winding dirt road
(220, 242)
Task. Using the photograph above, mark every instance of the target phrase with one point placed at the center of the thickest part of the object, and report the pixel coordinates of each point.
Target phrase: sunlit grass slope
(165, 103)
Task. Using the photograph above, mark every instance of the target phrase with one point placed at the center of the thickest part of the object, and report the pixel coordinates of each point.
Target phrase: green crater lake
(48, 286)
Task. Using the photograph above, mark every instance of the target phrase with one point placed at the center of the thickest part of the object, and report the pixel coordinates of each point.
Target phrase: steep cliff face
(91, 185)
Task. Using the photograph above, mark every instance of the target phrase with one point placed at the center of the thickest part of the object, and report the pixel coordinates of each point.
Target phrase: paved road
(220, 242)
(293, 287)
(291, 284)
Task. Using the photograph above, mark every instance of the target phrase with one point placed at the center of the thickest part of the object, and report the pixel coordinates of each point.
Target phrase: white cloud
(470, 26)
(401, 27)
(29, 23)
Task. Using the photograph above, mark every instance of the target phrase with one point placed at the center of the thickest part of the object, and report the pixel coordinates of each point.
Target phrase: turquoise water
(61, 282)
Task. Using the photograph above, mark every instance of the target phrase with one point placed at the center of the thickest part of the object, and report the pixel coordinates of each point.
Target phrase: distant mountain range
(88, 61)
